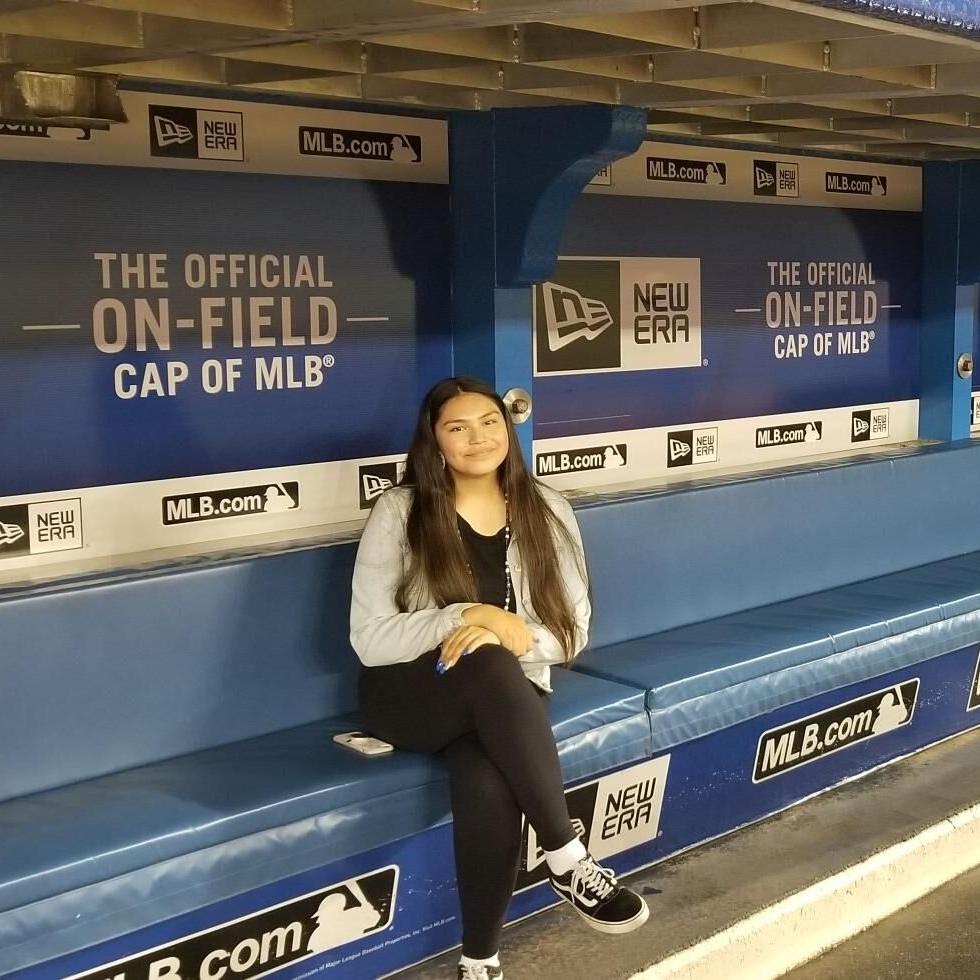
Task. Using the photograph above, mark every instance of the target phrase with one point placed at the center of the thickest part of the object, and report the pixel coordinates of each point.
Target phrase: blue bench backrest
(137, 667)
(144, 667)
(661, 560)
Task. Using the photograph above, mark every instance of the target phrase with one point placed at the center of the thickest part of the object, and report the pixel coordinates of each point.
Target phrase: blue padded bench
(177, 749)
(167, 743)
(745, 609)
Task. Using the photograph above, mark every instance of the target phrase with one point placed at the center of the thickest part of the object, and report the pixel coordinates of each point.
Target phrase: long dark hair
(437, 563)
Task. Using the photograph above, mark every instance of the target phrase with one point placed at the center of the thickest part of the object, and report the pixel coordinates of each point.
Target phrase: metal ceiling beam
(75, 22)
(636, 68)
(348, 57)
(382, 59)
(175, 35)
(936, 103)
(657, 96)
(963, 78)
(490, 43)
(671, 28)
(545, 42)
(196, 68)
(895, 51)
(732, 70)
(47, 53)
(271, 15)
(674, 66)
(815, 85)
(741, 25)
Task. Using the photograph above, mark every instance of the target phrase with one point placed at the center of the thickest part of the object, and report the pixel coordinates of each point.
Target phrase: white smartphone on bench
(363, 744)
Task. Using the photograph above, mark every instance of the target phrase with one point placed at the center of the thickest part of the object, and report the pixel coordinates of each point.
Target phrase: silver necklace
(506, 550)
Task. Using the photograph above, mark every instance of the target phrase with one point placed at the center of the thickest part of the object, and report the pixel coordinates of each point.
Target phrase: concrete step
(762, 900)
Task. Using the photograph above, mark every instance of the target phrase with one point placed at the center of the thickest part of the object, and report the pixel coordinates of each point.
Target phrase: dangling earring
(442, 459)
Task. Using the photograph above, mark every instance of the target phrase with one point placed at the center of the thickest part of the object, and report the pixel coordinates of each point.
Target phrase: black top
(487, 554)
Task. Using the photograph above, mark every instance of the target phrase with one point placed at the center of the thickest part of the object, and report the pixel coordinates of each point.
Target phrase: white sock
(490, 961)
(562, 861)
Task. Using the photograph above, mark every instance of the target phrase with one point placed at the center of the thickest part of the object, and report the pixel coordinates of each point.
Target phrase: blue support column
(514, 176)
(951, 271)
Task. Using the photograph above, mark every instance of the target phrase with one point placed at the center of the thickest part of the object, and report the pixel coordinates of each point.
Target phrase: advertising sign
(191, 356)
(687, 325)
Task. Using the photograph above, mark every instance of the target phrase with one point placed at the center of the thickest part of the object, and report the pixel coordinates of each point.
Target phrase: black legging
(491, 724)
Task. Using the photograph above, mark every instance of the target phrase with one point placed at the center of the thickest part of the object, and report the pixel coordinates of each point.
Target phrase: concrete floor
(697, 894)
(936, 937)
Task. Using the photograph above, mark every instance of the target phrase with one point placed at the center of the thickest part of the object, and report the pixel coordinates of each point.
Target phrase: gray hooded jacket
(380, 634)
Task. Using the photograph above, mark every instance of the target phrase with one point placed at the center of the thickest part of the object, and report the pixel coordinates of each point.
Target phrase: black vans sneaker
(480, 972)
(600, 899)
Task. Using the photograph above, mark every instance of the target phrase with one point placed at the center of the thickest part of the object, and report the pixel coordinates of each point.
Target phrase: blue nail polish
(440, 667)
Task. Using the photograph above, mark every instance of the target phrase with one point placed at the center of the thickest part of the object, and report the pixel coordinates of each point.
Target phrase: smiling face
(472, 435)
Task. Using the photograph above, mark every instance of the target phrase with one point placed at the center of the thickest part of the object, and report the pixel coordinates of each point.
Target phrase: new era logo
(678, 449)
(196, 134)
(40, 527)
(375, 478)
(570, 316)
(169, 132)
(868, 424)
(776, 178)
(690, 446)
(374, 485)
(618, 314)
(9, 533)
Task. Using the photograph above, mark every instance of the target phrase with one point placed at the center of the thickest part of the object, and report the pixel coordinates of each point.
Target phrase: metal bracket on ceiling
(86, 101)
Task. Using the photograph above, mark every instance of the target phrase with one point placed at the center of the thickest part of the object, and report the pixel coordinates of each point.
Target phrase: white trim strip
(789, 933)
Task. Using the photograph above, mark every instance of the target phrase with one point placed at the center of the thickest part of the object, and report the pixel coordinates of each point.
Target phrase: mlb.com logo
(582, 460)
(708, 172)
(374, 478)
(791, 434)
(618, 314)
(868, 424)
(867, 185)
(690, 446)
(275, 938)
(775, 178)
(356, 144)
(196, 134)
(803, 741)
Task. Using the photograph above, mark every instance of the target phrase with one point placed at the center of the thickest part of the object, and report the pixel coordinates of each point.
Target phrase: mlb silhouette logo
(974, 699)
